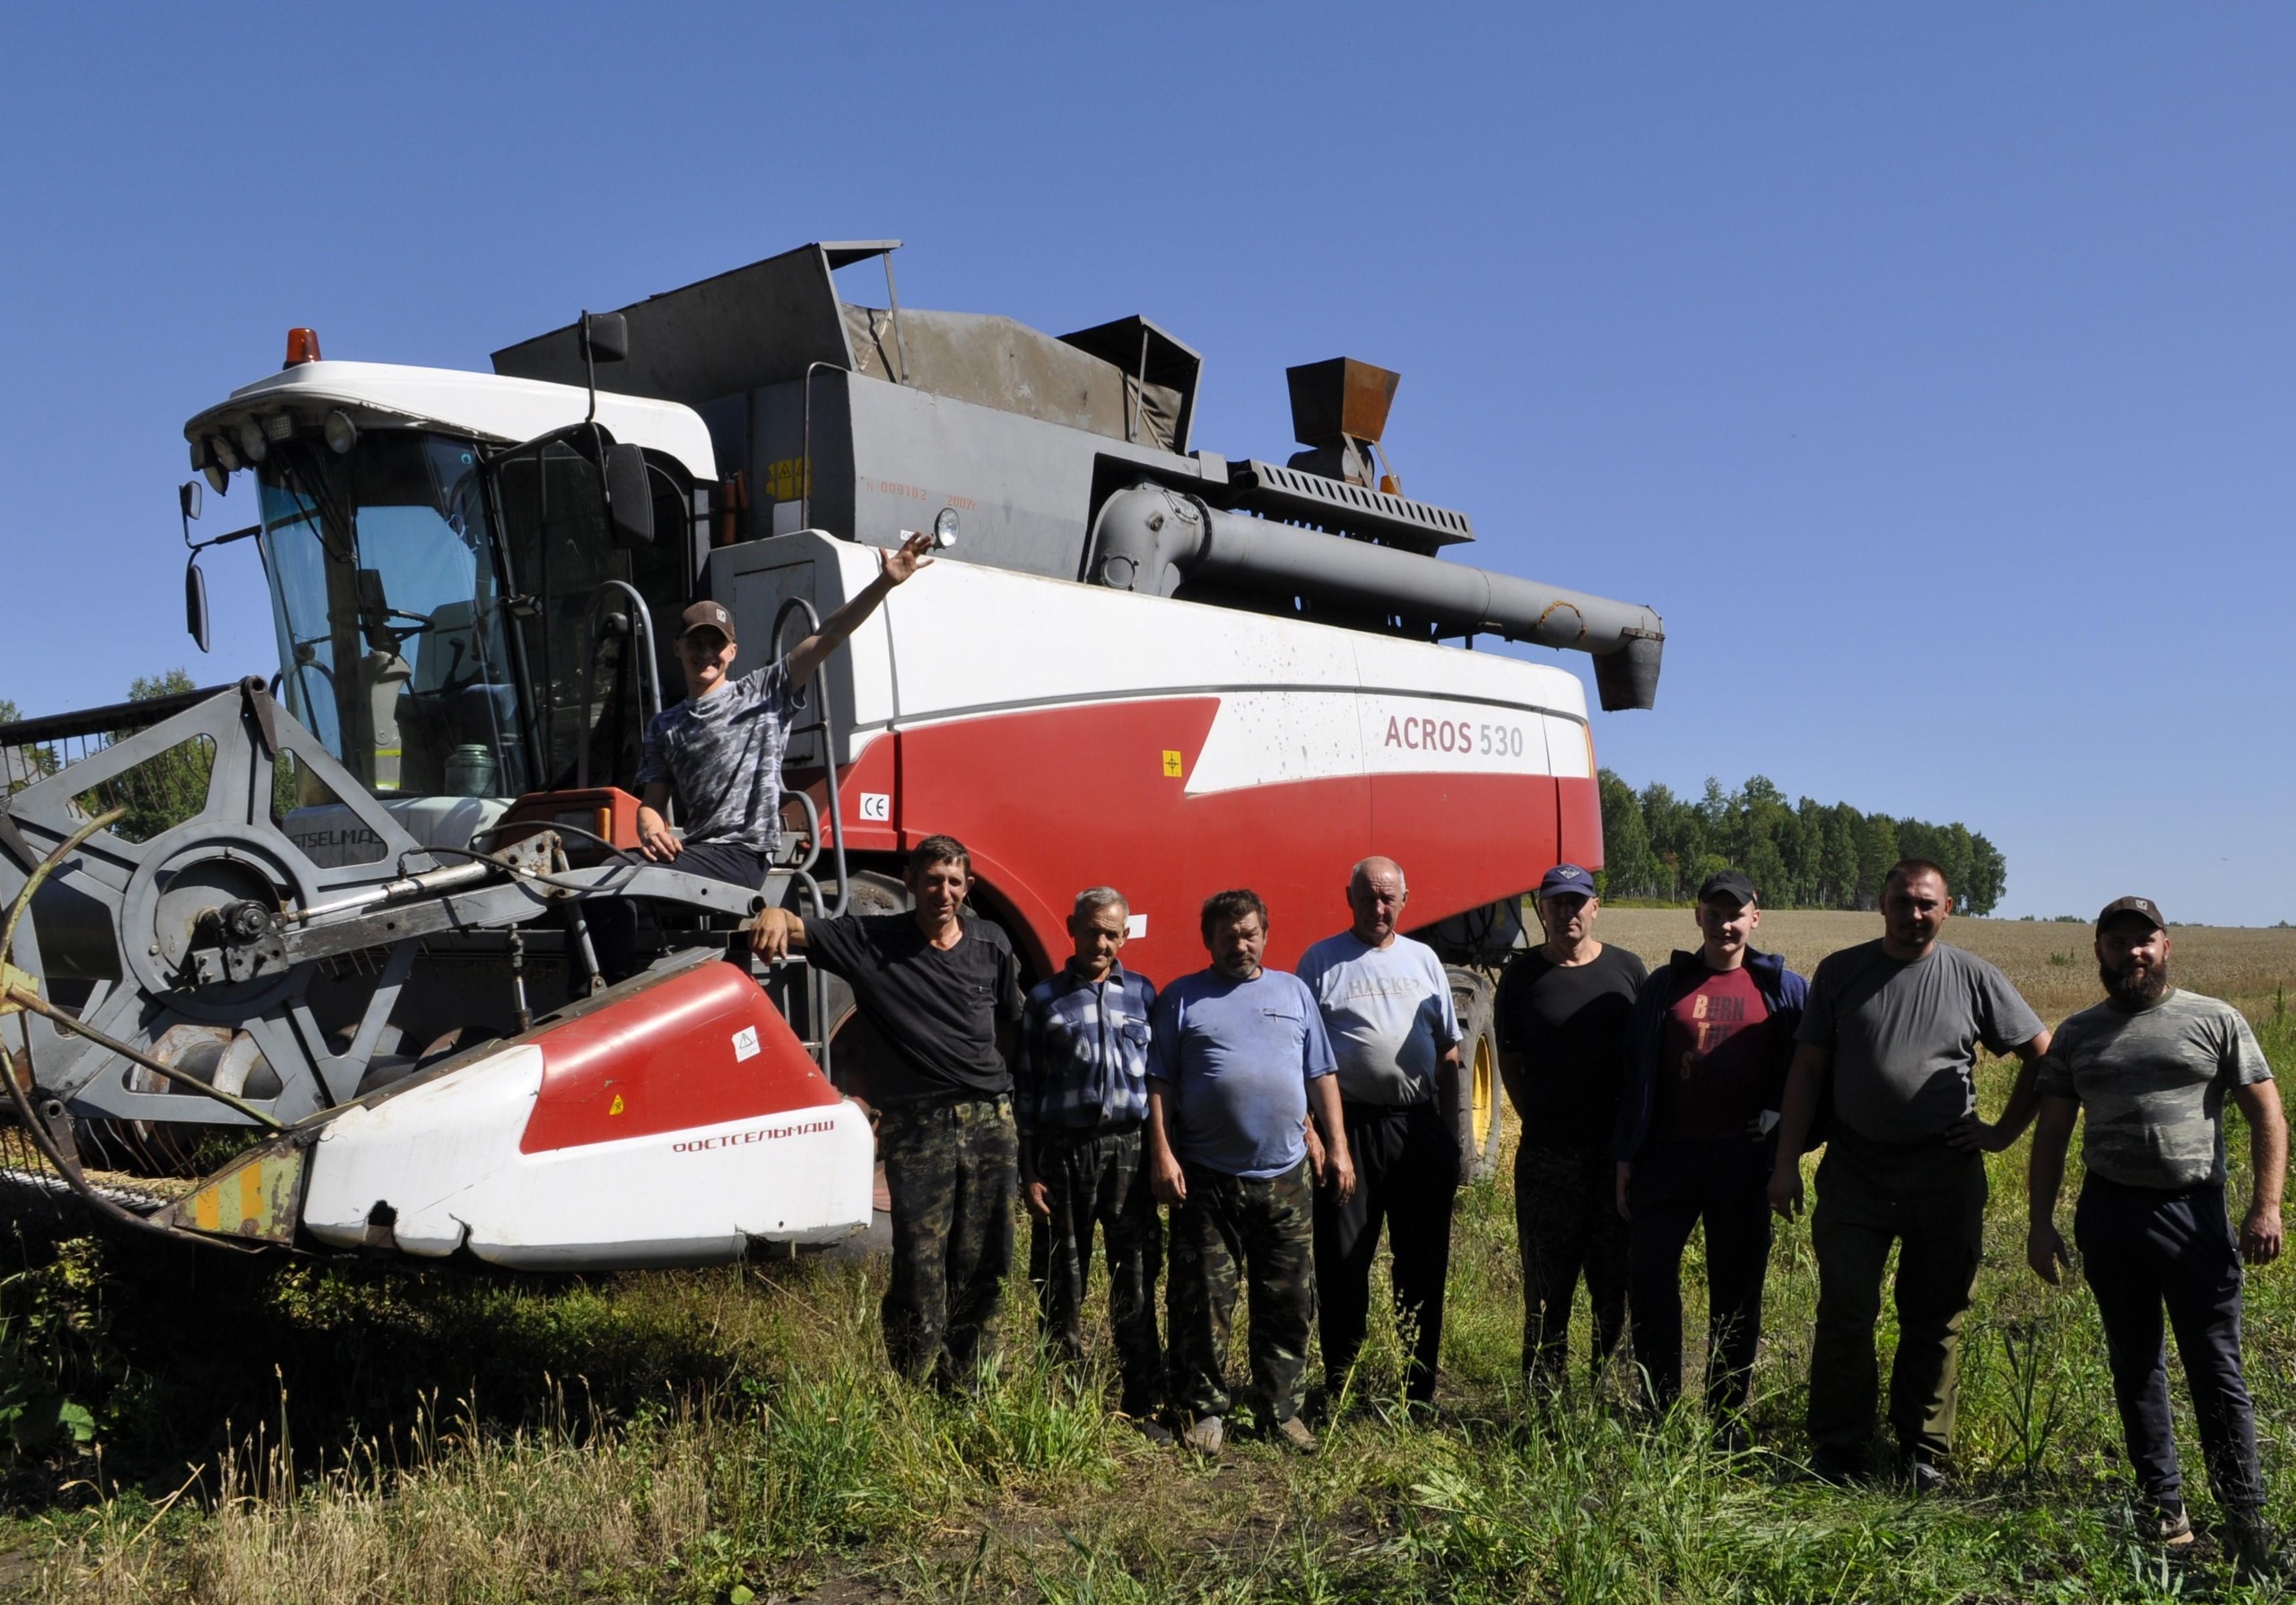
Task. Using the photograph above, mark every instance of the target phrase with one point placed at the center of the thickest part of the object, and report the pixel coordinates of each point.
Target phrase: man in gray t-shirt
(2152, 1067)
(1387, 1005)
(1890, 1031)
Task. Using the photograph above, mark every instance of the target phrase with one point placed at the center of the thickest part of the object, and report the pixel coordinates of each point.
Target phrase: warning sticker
(745, 1045)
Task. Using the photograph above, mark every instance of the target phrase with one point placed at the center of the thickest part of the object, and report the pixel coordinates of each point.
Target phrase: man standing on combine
(1712, 1035)
(719, 751)
(1387, 1007)
(2152, 1065)
(1080, 1096)
(944, 992)
(1238, 1055)
(1893, 1025)
(1562, 1017)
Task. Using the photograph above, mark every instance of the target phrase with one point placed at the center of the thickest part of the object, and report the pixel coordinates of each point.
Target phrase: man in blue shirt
(1237, 1053)
(1080, 1096)
(1387, 1006)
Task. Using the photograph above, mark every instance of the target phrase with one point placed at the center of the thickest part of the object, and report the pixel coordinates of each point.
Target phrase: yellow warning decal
(616, 1106)
(1172, 765)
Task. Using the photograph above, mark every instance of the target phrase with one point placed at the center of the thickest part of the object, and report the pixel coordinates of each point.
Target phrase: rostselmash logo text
(740, 1139)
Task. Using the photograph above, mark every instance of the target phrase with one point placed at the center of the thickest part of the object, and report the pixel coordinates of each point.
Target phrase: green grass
(348, 1433)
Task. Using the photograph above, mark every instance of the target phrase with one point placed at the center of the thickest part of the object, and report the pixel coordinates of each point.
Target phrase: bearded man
(2153, 1065)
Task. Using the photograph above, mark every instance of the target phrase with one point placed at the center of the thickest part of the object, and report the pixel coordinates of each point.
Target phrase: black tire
(1475, 1117)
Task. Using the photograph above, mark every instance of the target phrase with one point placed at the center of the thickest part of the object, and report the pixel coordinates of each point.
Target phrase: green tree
(1628, 868)
(1877, 850)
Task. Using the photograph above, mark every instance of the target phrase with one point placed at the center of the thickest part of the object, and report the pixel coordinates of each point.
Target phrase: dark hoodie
(1783, 992)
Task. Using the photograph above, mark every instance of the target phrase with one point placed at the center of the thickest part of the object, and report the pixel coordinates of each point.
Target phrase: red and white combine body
(362, 917)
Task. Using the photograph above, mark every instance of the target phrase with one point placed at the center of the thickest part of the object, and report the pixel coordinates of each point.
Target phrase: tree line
(1808, 854)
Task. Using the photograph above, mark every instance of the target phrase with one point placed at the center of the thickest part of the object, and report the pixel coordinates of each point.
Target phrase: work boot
(1205, 1436)
(2253, 1548)
(1293, 1434)
(1927, 1475)
(1152, 1429)
(1731, 1437)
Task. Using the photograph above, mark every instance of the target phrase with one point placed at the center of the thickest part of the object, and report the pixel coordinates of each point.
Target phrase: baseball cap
(2143, 906)
(1566, 880)
(1729, 882)
(706, 615)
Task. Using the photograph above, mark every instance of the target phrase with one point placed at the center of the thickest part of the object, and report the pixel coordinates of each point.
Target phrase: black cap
(2143, 906)
(1566, 880)
(1729, 882)
(706, 615)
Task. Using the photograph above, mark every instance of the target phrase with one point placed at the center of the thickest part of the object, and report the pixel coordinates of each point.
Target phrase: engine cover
(673, 1125)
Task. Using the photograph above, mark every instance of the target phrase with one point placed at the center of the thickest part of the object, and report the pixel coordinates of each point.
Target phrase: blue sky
(1927, 368)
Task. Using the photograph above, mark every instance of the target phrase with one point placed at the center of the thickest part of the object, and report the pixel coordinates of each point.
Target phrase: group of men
(1282, 1118)
(1652, 1103)
(1286, 1121)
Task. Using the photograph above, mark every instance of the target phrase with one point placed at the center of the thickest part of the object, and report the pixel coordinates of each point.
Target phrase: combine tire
(1480, 1094)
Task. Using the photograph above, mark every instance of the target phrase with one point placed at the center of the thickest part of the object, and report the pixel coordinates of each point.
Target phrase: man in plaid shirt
(1080, 1096)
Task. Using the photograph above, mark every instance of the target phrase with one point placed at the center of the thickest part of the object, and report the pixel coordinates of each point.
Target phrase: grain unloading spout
(1153, 538)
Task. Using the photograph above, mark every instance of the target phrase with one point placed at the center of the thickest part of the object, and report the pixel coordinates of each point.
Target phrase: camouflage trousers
(1567, 1221)
(1269, 1226)
(1097, 1178)
(953, 1167)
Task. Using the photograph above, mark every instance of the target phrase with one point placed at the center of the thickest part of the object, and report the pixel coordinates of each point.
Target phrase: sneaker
(1292, 1433)
(1206, 1436)
(1928, 1477)
(2171, 1527)
(1152, 1429)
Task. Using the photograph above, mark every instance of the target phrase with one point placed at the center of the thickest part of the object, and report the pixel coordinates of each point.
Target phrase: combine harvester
(344, 912)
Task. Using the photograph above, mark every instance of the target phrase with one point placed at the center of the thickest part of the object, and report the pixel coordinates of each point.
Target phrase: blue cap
(1566, 880)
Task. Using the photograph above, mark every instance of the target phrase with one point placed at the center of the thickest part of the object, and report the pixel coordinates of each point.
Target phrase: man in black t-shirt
(944, 991)
(1562, 1018)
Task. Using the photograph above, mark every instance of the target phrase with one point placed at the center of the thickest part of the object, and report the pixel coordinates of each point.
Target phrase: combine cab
(347, 911)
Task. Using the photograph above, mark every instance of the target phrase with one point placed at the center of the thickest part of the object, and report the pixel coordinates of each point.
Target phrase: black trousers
(1406, 1175)
(613, 921)
(2141, 1251)
(1567, 1221)
(1101, 1177)
(1674, 1186)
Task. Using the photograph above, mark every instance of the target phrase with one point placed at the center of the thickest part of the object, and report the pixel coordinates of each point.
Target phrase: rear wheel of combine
(1480, 1096)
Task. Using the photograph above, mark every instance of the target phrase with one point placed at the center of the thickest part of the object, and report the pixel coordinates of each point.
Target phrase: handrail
(828, 729)
(642, 625)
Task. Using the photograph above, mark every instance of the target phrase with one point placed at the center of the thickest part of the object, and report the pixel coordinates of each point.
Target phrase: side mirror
(195, 601)
(605, 336)
(188, 497)
(629, 496)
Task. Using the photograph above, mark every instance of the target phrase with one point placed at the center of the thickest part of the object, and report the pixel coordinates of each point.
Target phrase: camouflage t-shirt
(2152, 1085)
(721, 755)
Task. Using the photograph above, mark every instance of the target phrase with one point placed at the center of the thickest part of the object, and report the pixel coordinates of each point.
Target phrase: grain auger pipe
(18, 990)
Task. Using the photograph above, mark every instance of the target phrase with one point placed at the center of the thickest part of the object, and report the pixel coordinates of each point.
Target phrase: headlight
(342, 433)
(252, 445)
